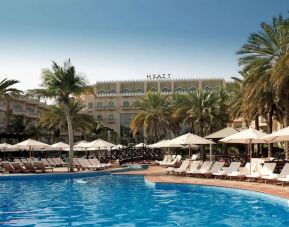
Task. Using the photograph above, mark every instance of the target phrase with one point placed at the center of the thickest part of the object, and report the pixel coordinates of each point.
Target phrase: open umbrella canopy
(99, 144)
(190, 139)
(278, 136)
(160, 144)
(31, 145)
(141, 145)
(118, 146)
(165, 144)
(225, 132)
(246, 137)
(57, 147)
(8, 147)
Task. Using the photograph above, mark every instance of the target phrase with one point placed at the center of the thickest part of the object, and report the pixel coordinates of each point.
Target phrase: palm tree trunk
(270, 129)
(70, 140)
(257, 127)
(286, 124)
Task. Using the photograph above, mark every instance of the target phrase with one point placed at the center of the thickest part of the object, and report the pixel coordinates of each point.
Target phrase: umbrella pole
(189, 152)
(250, 149)
(211, 152)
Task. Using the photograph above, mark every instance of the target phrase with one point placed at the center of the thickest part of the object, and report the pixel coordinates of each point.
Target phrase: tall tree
(7, 91)
(154, 117)
(63, 84)
(263, 59)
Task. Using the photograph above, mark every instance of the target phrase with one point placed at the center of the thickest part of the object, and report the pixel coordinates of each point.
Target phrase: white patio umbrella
(31, 145)
(160, 144)
(79, 146)
(190, 140)
(141, 145)
(99, 144)
(118, 146)
(57, 147)
(249, 136)
(278, 136)
(4, 147)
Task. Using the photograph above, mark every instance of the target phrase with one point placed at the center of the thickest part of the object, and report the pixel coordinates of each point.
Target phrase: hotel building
(112, 102)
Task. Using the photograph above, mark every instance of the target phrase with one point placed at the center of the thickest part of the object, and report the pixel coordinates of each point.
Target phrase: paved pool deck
(156, 174)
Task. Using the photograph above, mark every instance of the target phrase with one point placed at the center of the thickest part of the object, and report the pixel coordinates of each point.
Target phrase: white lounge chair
(234, 166)
(217, 166)
(267, 169)
(274, 177)
(181, 169)
(193, 167)
(173, 163)
(243, 171)
(206, 166)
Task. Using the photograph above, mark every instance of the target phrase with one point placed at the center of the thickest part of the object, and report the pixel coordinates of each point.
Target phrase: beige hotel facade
(113, 101)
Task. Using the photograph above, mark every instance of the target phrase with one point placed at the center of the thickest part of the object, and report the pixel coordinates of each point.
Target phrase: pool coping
(156, 174)
(218, 184)
(55, 175)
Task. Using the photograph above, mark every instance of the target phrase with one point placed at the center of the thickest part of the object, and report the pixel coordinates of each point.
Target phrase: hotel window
(110, 105)
(126, 104)
(90, 105)
(30, 110)
(99, 117)
(18, 107)
(110, 117)
(99, 105)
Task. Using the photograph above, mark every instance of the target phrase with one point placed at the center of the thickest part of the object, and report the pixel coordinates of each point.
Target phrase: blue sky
(127, 39)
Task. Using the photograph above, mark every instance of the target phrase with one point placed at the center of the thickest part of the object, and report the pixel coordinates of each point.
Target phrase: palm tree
(55, 118)
(264, 63)
(203, 108)
(154, 117)
(62, 84)
(7, 91)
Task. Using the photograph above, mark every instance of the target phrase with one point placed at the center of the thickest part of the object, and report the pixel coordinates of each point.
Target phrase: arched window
(126, 104)
(18, 107)
(99, 117)
(99, 105)
(90, 105)
(110, 117)
(110, 105)
(30, 110)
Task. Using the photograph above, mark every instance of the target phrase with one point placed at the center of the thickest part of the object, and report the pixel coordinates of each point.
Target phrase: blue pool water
(118, 200)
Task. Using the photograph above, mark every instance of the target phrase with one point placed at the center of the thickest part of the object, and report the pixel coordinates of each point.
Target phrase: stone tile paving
(157, 174)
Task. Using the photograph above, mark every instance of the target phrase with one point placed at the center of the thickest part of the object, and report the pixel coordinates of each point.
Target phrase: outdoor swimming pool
(115, 200)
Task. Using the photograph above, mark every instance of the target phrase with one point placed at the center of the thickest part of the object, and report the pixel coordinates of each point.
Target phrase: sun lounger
(29, 167)
(168, 160)
(173, 163)
(51, 162)
(166, 157)
(267, 169)
(206, 166)
(45, 162)
(243, 171)
(274, 177)
(193, 167)
(181, 169)
(85, 164)
(217, 166)
(59, 161)
(18, 167)
(234, 166)
(8, 167)
(96, 162)
(41, 167)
